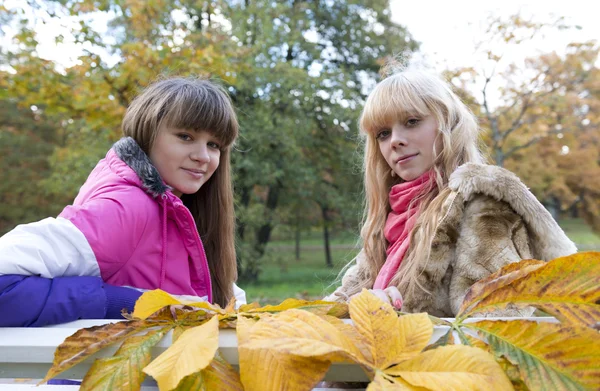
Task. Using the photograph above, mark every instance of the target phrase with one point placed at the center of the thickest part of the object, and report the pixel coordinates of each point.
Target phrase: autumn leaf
(550, 356)
(123, 371)
(219, 375)
(391, 338)
(382, 382)
(509, 273)
(192, 352)
(565, 287)
(152, 301)
(301, 333)
(455, 367)
(275, 371)
(86, 342)
(317, 307)
(248, 307)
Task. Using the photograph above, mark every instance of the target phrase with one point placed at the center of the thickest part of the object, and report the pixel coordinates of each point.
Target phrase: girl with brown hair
(156, 212)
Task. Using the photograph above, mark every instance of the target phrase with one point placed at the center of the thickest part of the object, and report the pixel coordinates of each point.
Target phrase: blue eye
(413, 122)
(214, 145)
(383, 134)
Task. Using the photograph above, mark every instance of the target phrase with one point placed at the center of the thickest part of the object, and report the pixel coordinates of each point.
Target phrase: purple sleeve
(31, 301)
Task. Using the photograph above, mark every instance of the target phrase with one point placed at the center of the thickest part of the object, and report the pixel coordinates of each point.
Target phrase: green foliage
(296, 70)
(25, 145)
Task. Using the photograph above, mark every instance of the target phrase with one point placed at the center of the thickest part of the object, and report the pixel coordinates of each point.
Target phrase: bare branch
(528, 144)
(516, 124)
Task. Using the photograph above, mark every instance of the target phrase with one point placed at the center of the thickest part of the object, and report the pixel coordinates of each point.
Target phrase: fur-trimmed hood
(549, 239)
(128, 150)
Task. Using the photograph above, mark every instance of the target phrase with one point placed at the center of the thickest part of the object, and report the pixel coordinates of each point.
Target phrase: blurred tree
(297, 71)
(563, 169)
(310, 64)
(26, 142)
(537, 117)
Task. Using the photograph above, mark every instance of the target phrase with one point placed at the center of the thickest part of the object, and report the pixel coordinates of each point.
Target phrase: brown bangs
(392, 100)
(203, 107)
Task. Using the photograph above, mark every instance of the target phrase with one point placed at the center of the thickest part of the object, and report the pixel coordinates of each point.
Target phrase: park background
(298, 72)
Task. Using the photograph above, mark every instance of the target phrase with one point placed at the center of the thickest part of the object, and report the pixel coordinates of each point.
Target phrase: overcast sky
(448, 29)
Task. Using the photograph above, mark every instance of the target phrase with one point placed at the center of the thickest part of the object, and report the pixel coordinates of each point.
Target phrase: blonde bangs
(394, 99)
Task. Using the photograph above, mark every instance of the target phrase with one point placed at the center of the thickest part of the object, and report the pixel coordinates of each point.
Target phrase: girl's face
(185, 159)
(407, 146)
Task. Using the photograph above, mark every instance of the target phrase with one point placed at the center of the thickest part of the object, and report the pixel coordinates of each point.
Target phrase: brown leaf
(509, 273)
(567, 288)
(86, 342)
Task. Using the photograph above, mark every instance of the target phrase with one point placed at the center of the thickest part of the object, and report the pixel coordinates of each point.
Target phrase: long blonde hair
(197, 104)
(405, 93)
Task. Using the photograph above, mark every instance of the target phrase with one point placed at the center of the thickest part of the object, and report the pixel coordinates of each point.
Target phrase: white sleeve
(48, 248)
(240, 296)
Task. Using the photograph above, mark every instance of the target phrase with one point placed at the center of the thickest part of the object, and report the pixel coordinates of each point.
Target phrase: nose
(200, 154)
(398, 136)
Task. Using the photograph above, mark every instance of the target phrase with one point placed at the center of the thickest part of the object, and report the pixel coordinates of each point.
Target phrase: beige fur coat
(491, 220)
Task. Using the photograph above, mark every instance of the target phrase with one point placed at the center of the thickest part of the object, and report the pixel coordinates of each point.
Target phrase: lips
(405, 158)
(194, 172)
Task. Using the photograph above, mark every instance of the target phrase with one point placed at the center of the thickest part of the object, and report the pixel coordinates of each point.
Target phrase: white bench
(26, 354)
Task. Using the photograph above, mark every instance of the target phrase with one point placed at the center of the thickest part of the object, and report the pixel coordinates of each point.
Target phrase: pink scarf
(399, 224)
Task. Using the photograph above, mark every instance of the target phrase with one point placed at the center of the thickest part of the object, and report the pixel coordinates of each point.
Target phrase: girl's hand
(389, 295)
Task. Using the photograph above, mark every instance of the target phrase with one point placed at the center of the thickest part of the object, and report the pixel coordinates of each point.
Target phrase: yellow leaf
(509, 273)
(152, 301)
(455, 367)
(219, 375)
(275, 371)
(301, 333)
(230, 308)
(387, 383)
(250, 306)
(567, 287)
(389, 337)
(318, 307)
(550, 356)
(192, 352)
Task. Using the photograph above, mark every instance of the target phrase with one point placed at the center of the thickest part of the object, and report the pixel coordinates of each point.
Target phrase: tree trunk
(328, 260)
(297, 238)
(263, 235)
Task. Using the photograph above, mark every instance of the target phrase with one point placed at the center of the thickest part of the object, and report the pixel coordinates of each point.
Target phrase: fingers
(381, 295)
(395, 296)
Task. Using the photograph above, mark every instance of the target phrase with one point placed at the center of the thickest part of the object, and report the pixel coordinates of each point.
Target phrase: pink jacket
(140, 233)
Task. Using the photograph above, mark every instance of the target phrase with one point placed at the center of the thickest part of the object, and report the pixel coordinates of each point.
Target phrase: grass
(283, 276)
(579, 232)
(309, 278)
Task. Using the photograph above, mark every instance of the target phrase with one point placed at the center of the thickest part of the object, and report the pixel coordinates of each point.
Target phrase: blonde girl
(437, 218)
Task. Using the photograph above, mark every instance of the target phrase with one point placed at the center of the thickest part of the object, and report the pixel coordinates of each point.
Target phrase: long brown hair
(199, 105)
(403, 93)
